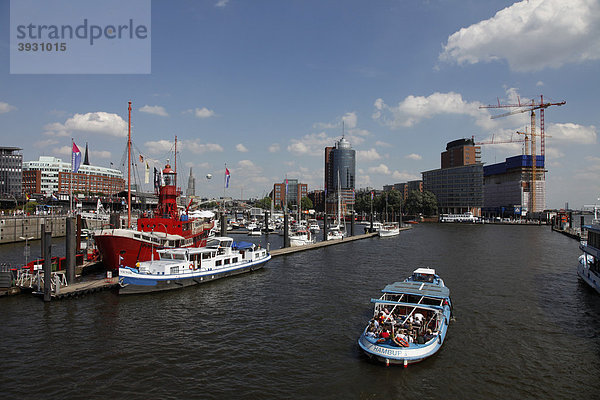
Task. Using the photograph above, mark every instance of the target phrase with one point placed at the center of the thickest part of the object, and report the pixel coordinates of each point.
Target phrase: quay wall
(13, 228)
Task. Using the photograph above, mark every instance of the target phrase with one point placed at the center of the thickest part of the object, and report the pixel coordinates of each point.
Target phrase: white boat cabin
(219, 253)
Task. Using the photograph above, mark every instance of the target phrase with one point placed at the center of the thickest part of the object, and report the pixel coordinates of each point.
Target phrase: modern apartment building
(11, 162)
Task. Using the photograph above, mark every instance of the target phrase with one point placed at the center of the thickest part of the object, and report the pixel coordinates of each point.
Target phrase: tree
(414, 202)
(306, 203)
(430, 204)
(264, 203)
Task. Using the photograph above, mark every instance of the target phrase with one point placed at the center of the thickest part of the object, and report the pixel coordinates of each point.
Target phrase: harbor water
(524, 327)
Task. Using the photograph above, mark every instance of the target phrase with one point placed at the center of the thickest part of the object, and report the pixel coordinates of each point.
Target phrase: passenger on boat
(401, 339)
(428, 336)
(383, 336)
(419, 319)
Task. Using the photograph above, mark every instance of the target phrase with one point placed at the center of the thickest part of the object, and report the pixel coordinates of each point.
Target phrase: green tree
(306, 203)
(414, 202)
(264, 203)
(430, 203)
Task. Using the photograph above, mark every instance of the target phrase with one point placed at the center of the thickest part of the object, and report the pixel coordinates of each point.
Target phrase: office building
(292, 196)
(50, 175)
(340, 175)
(11, 162)
(458, 185)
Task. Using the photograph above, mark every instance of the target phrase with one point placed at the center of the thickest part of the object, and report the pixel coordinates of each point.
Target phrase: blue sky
(263, 86)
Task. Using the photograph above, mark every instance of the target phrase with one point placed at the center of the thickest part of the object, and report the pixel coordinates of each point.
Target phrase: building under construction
(508, 186)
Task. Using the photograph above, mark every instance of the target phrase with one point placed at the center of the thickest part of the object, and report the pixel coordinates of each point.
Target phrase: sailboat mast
(176, 163)
(129, 170)
(339, 210)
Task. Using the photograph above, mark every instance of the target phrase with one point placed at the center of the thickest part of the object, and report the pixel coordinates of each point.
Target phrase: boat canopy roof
(415, 305)
(426, 271)
(418, 289)
(243, 245)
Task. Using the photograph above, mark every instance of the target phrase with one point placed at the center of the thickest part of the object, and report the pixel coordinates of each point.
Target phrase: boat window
(177, 256)
(137, 236)
(165, 256)
(205, 256)
(234, 260)
(227, 261)
(217, 263)
(175, 270)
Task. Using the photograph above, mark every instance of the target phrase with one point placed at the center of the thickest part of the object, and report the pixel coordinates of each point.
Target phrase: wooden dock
(83, 288)
(318, 245)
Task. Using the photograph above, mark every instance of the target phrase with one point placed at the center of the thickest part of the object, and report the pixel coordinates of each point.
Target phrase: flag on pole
(75, 158)
(227, 175)
(147, 174)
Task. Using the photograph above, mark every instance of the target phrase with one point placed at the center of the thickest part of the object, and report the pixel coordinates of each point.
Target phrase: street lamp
(26, 251)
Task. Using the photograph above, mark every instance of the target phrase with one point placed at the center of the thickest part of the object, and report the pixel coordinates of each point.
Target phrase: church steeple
(86, 160)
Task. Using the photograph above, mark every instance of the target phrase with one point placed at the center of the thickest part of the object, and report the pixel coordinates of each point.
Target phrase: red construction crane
(521, 108)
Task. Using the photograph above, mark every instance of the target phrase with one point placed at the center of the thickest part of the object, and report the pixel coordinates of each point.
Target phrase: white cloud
(159, 146)
(380, 169)
(350, 119)
(246, 164)
(367, 155)
(241, 148)
(198, 148)
(156, 110)
(201, 112)
(553, 153)
(405, 176)
(413, 156)
(572, 133)
(531, 35)
(413, 109)
(274, 148)
(95, 122)
(100, 154)
(382, 144)
(5, 107)
(312, 144)
(63, 151)
(221, 3)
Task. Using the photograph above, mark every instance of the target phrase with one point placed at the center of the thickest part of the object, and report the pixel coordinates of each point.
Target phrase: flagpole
(224, 184)
(129, 170)
(71, 180)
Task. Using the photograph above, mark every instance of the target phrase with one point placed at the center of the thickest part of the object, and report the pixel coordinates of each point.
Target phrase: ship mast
(175, 163)
(129, 170)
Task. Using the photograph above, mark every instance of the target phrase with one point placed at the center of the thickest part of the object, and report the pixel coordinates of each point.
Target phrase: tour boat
(465, 217)
(255, 231)
(410, 320)
(301, 237)
(588, 267)
(164, 228)
(181, 267)
(389, 229)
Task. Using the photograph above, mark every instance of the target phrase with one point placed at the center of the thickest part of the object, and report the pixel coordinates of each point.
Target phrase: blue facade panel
(512, 162)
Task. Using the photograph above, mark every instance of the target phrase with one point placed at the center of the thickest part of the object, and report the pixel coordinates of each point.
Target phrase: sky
(262, 87)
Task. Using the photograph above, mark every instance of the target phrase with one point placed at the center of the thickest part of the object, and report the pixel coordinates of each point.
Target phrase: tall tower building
(191, 188)
(340, 173)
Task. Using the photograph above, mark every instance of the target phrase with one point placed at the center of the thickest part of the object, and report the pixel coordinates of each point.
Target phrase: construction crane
(493, 141)
(530, 106)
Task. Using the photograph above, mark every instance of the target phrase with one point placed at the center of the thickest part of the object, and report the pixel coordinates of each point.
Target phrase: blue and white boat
(588, 267)
(410, 320)
(180, 267)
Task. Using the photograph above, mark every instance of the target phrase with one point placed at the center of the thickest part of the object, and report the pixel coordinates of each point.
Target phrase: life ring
(191, 266)
(403, 343)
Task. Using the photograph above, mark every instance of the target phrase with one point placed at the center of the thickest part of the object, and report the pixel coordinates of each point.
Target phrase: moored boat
(588, 267)
(410, 320)
(335, 233)
(389, 229)
(163, 228)
(302, 237)
(181, 267)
